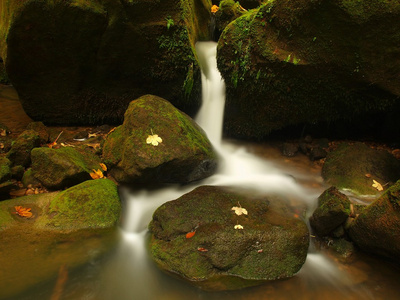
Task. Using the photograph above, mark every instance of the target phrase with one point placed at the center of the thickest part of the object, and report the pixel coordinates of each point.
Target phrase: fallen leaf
(239, 210)
(112, 129)
(96, 174)
(153, 139)
(214, 9)
(190, 234)
(1, 146)
(103, 166)
(51, 145)
(23, 211)
(260, 251)
(90, 135)
(377, 185)
(201, 249)
(95, 146)
(238, 226)
(368, 175)
(3, 132)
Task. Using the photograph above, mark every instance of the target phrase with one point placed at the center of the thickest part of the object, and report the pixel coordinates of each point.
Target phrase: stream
(126, 272)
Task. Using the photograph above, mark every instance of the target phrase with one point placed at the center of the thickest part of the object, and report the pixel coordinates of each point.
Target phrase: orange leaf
(201, 249)
(23, 211)
(103, 166)
(190, 234)
(96, 174)
(214, 8)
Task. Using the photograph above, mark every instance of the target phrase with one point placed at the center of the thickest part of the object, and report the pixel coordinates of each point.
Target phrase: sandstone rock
(184, 155)
(272, 244)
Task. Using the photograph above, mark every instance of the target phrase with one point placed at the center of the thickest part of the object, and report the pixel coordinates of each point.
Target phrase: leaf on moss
(190, 234)
(201, 249)
(238, 226)
(377, 185)
(154, 139)
(103, 166)
(23, 211)
(214, 9)
(3, 132)
(96, 174)
(239, 210)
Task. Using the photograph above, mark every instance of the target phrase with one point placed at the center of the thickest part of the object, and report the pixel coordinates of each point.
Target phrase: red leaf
(201, 249)
(190, 234)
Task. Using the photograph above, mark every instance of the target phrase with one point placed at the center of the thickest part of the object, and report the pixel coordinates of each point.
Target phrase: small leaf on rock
(23, 211)
(190, 234)
(103, 166)
(238, 226)
(377, 185)
(201, 249)
(96, 174)
(154, 139)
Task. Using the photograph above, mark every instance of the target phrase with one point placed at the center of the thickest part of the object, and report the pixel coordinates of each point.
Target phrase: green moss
(5, 172)
(91, 204)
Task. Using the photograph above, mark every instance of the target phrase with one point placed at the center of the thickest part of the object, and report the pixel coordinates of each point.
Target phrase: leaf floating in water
(190, 234)
(238, 226)
(377, 185)
(23, 211)
(239, 210)
(96, 174)
(154, 139)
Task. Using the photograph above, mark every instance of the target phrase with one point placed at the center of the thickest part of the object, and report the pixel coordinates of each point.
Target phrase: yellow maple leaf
(96, 174)
(154, 139)
(214, 8)
(238, 226)
(377, 185)
(239, 210)
(23, 211)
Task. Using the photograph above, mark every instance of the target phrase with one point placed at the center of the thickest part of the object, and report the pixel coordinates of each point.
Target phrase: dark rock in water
(41, 130)
(290, 149)
(5, 171)
(63, 167)
(83, 135)
(356, 166)
(96, 56)
(180, 152)
(20, 152)
(306, 62)
(332, 211)
(203, 240)
(377, 228)
(317, 153)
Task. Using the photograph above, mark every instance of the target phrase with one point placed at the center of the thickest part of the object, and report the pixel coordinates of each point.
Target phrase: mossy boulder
(302, 62)
(355, 166)
(83, 61)
(41, 129)
(272, 244)
(332, 211)
(184, 155)
(377, 228)
(5, 171)
(63, 167)
(91, 204)
(20, 152)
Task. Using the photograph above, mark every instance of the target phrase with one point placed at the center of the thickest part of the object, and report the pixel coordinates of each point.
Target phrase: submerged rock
(63, 167)
(295, 62)
(377, 228)
(356, 166)
(96, 56)
(227, 251)
(20, 152)
(182, 154)
(332, 211)
(91, 204)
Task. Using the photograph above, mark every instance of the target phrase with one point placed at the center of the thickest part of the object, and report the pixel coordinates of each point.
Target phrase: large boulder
(206, 238)
(332, 211)
(377, 228)
(183, 153)
(5, 171)
(291, 62)
(81, 62)
(355, 167)
(91, 204)
(63, 167)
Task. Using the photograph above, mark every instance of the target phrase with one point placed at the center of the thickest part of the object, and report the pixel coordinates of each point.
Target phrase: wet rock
(376, 229)
(332, 211)
(355, 166)
(63, 167)
(290, 149)
(83, 135)
(41, 129)
(5, 171)
(17, 172)
(183, 154)
(90, 78)
(228, 11)
(29, 180)
(271, 245)
(317, 153)
(20, 152)
(306, 62)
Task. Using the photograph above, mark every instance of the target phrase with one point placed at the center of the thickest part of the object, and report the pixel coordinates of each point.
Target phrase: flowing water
(128, 273)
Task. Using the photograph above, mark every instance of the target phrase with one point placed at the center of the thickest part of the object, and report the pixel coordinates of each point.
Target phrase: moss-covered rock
(184, 155)
(355, 166)
(5, 171)
(293, 62)
(228, 11)
(83, 61)
(377, 228)
(20, 152)
(332, 211)
(63, 167)
(272, 244)
(41, 130)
